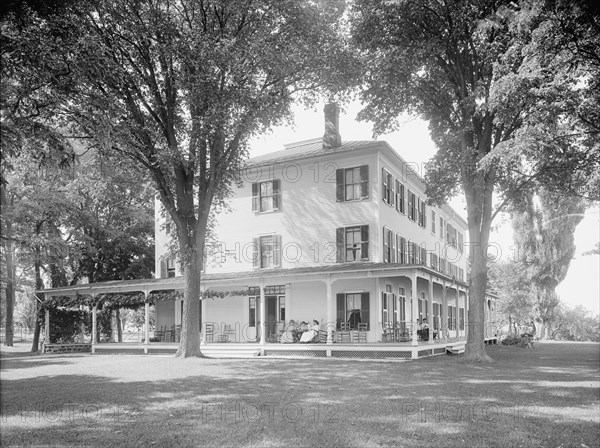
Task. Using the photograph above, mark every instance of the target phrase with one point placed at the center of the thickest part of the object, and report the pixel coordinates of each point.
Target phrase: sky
(413, 143)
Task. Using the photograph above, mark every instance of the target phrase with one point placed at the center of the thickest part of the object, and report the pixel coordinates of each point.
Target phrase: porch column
(81, 328)
(263, 313)
(414, 306)
(444, 326)
(456, 307)
(146, 322)
(430, 311)
(330, 317)
(94, 326)
(47, 328)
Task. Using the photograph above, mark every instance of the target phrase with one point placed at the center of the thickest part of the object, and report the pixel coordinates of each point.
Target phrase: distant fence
(20, 334)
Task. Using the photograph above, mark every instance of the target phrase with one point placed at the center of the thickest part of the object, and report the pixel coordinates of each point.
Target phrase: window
(387, 187)
(389, 246)
(442, 228)
(352, 243)
(412, 214)
(461, 274)
(399, 197)
(352, 183)
(421, 211)
(461, 318)
(436, 316)
(451, 235)
(353, 308)
(432, 222)
(266, 196)
(170, 267)
(402, 305)
(460, 242)
(253, 303)
(423, 256)
(433, 260)
(451, 317)
(401, 249)
(411, 253)
(423, 305)
(267, 251)
(388, 305)
(281, 309)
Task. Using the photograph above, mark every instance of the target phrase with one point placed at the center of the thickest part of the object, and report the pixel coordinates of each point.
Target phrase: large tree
(504, 114)
(179, 86)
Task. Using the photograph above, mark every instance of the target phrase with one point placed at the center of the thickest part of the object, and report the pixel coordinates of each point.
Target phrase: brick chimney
(332, 138)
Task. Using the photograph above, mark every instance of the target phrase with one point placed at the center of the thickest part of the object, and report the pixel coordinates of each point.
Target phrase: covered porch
(363, 310)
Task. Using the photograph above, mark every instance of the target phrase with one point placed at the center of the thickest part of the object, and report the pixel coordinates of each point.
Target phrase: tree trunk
(39, 285)
(189, 344)
(119, 326)
(10, 286)
(475, 346)
(510, 330)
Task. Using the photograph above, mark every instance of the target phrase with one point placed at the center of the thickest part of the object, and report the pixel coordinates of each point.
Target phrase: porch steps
(455, 349)
(224, 352)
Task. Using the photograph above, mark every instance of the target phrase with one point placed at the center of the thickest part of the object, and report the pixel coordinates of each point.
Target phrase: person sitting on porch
(424, 330)
(311, 334)
(289, 333)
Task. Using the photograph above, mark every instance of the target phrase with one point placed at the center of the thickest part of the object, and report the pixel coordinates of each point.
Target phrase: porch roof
(342, 270)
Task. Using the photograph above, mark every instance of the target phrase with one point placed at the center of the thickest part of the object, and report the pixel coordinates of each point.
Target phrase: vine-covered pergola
(120, 294)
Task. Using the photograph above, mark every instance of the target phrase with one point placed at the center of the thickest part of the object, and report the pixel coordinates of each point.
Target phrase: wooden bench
(67, 348)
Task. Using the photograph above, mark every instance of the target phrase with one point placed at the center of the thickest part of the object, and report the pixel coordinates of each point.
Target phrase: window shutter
(393, 248)
(410, 206)
(364, 236)
(383, 186)
(276, 194)
(364, 309)
(256, 252)
(341, 312)
(391, 188)
(163, 269)
(255, 198)
(339, 185)
(386, 248)
(424, 214)
(339, 243)
(364, 181)
(277, 251)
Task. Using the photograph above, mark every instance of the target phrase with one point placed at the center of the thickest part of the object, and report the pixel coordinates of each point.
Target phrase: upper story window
(442, 228)
(266, 196)
(412, 212)
(400, 197)
(460, 242)
(170, 267)
(352, 243)
(401, 249)
(451, 235)
(389, 246)
(267, 251)
(352, 183)
(432, 222)
(421, 211)
(387, 187)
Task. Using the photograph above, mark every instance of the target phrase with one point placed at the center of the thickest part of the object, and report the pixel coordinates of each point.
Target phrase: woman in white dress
(288, 333)
(311, 333)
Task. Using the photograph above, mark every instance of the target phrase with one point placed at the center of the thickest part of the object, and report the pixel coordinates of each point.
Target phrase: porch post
(81, 328)
(444, 326)
(330, 318)
(414, 306)
(263, 314)
(47, 328)
(467, 314)
(430, 310)
(94, 324)
(146, 322)
(456, 307)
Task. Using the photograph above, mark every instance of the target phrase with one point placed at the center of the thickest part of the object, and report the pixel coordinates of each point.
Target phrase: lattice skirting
(424, 353)
(371, 354)
(307, 353)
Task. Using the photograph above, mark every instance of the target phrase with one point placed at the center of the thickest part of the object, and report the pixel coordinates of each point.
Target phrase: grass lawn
(548, 397)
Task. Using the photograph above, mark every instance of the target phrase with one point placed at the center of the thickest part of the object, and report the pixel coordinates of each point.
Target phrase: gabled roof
(311, 148)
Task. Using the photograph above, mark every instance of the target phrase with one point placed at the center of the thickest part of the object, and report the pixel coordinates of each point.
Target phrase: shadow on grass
(523, 399)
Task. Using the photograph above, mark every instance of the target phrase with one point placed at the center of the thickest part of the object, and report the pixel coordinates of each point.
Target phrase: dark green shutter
(365, 316)
(340, 310)
(256, 252)
(364, 181)
(364, 236)
(163, 269)
(339, 244)
(339, 185)
(255, 198)
(276, 194)
(277, 251)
